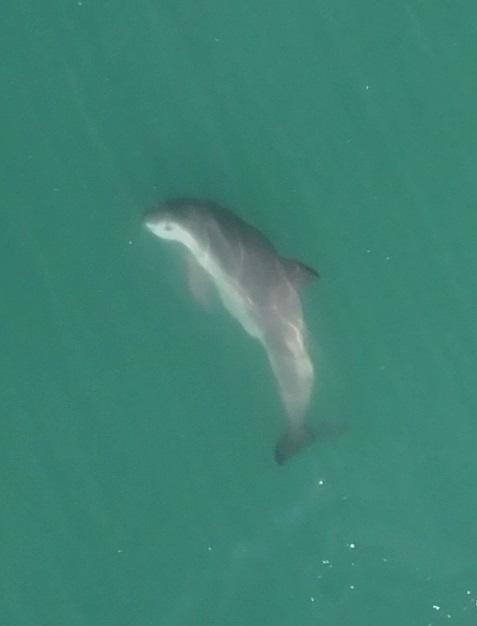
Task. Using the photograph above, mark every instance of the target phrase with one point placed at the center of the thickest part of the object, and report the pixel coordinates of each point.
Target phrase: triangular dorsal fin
(299, 273)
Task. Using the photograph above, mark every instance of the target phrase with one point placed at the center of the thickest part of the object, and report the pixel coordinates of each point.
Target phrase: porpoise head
(163, 224)
(177, 220)
(170, 223)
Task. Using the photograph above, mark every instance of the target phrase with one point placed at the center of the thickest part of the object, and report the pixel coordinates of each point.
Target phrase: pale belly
(240, 308)
(233, 298)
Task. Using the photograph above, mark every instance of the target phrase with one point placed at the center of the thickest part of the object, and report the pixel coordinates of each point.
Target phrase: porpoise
(258, 287)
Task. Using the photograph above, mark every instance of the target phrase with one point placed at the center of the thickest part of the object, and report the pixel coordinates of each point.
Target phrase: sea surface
(137, 482)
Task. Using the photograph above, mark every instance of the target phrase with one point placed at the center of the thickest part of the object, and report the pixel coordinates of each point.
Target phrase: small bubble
(436, 607)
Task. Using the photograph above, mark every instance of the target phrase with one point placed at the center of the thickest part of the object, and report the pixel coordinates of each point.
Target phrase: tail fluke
(292, 442)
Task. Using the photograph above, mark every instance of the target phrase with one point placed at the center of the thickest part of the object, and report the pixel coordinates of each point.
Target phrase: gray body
(258, 287)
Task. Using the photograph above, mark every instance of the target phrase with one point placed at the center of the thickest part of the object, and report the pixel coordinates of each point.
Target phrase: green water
(137, 476)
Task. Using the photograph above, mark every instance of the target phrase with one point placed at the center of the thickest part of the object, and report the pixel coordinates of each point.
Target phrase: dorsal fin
(299, 273)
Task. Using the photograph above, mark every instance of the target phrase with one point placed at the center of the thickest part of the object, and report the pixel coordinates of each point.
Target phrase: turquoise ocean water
(137, 477)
